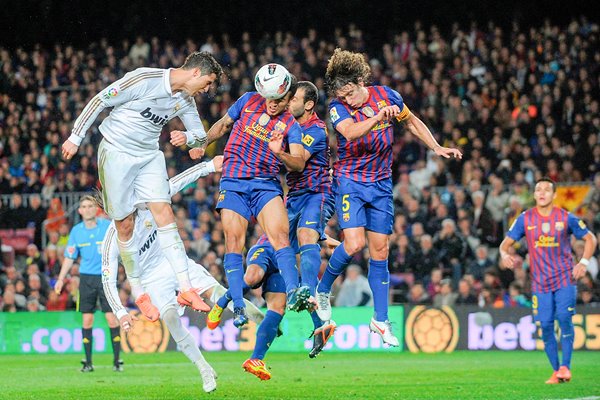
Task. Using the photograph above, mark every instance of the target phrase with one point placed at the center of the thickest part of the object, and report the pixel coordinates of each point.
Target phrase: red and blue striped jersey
(247, 153)
(315, 176)
(369, 158)
(548, 242)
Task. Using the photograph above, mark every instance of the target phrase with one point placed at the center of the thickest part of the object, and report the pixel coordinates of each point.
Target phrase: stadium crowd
(520, 103)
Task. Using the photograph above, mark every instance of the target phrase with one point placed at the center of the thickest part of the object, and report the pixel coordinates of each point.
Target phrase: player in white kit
(157, 279)
(131, 166)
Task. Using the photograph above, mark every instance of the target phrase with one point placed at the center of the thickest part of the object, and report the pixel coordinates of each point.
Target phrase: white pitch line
(582, 398)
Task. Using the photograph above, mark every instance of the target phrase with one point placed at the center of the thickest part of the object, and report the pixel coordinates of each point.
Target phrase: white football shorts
(128, 180)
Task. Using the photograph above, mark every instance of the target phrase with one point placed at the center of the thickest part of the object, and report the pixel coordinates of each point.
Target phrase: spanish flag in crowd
(571, 198)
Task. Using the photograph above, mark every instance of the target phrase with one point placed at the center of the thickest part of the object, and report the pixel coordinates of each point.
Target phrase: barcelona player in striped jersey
(547, 230)
(250, 187)
(362, 117)
(310, 201)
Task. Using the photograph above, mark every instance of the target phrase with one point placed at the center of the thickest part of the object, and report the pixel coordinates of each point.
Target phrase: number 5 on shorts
(345, 203)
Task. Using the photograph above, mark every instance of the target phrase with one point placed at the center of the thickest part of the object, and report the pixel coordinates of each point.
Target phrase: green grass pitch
(459, 375)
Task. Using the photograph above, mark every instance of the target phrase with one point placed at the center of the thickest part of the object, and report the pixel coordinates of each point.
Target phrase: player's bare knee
(162, 213)
(234, 241)
(354, 245)
(253, 275)
(280, 240)
(379, 254)
(307, 236)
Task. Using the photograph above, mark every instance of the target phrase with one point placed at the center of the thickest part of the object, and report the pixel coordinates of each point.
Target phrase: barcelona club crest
(346, 217)
(559, 226)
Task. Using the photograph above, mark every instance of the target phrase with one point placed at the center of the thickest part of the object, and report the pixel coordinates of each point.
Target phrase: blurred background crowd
(521, 103)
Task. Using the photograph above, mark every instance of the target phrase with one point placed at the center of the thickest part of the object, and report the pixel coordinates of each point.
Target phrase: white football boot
(384, 329)
(323, 306)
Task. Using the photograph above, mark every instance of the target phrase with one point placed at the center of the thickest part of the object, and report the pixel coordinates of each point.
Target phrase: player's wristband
(75, 139)
(210, 167)
(121, 313)
(584, 261)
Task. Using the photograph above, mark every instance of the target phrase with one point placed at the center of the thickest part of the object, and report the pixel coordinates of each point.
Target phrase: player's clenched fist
(218, 163)
(276, 143)
(178, 138)
(69, 149)
(196, 153)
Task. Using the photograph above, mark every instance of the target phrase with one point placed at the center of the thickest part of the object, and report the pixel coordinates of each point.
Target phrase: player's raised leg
(187, 345)
(379, 281)
(174, 251)
(234, 228)
(354, 241)
(267, 331)
(273, 219)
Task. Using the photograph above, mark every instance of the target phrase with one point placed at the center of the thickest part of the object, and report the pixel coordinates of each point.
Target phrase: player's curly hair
(346, 67)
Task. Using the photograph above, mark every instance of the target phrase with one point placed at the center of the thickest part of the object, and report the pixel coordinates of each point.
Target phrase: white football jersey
(143, 103)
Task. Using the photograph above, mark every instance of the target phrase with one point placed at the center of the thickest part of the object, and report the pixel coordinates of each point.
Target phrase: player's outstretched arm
(219, 128)
(179, 181)
(420, 130)
(590, 243)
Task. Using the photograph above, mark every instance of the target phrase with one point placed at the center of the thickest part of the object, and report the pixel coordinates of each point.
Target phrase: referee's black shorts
(90, 292)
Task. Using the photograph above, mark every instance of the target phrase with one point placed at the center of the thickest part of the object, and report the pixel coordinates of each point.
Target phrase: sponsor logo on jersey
(307, 140)
(149, 242)
(156, 119)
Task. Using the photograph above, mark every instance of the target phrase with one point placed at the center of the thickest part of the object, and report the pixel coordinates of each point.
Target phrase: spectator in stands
(465, 293)
(481, 263)
(36, 217)
(483, 222)
(451, 249)
(355, 289)
(445, 297)
(34, 257)
(57, 302)
(417, 295)
(8, 299)
(428, 260)
(55, 216)
(19, 214)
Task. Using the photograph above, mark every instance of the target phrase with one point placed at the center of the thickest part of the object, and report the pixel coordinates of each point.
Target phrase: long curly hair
(346, 67)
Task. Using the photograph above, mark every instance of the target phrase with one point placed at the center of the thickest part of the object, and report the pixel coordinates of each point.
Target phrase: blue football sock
(379, 281)
(286, 262)
(266, 333)
(310, 264)
(316, 320)
(567, 334)
(224, 300)
(337, 263)
(234, 270)
(550, 345)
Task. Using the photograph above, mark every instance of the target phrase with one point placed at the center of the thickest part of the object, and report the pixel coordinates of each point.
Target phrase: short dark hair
(311, 93)
(205, 61)
(549, 180)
